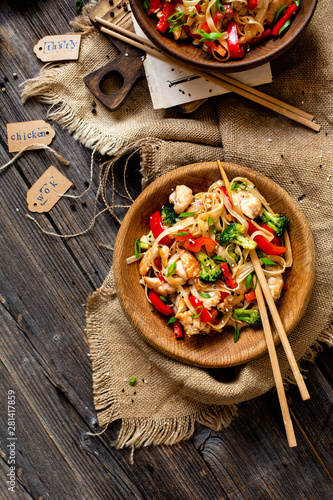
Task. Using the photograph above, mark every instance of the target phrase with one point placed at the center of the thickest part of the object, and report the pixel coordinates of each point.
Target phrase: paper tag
(58, 48)
(47, 190)
(22, 134)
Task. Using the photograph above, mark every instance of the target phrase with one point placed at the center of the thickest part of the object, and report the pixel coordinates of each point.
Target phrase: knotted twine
(169, 397)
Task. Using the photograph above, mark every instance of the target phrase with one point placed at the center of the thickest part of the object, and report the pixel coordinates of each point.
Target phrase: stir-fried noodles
(195, 263)
(226, 29)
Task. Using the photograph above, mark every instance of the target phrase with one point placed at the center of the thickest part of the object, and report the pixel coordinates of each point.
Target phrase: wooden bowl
(185, 52)
(218, 350)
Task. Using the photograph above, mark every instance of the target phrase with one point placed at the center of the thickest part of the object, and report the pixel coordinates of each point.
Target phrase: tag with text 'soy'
(58, 48)
(22, 134)
(47, 190)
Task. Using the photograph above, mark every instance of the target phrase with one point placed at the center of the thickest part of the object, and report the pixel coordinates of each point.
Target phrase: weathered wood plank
(251, 458)
(19, 492)
(49, 432)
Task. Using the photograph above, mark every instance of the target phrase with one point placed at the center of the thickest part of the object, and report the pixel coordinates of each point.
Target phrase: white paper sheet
(170, 85)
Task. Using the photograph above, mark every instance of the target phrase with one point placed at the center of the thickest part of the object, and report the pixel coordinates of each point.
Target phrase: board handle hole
(111, 83)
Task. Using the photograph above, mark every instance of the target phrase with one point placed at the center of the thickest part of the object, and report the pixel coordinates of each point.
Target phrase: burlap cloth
(169, 397)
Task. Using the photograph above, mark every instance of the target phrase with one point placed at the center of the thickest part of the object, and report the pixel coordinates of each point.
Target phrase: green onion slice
(175, 17)
(279, 14)
(187, 214)
(220, 7)
(132, 381)
(172, 320)
(236, 334)
(171, 269)
(209, 36)
(195, 313)
(268, 262)
(211, 225)
(78, 4)
(137, 248)
(254, 286)
(204, 295)
(176, 26)
(285, 27)
(183, 233)
(218, 259)
(146, 5)
(248, 281)
(236, 185)
(164, 299)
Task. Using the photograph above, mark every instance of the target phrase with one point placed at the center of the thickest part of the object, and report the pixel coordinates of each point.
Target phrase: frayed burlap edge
(62, 113)
(137, 432)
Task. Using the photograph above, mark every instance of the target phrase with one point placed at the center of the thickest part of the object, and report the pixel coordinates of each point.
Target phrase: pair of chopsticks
(224, 81)
(262, 290)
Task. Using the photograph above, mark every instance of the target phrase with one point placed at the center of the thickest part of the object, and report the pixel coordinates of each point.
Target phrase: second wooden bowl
(219, 350)
(185, 52)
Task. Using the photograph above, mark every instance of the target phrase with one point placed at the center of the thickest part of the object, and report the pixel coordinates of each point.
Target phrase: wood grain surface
(217, 351)
(44, 354)
(186, 52)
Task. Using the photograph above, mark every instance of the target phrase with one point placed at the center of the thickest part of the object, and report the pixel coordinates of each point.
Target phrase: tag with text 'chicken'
(58, 48)
(47, 190)
(22, 134)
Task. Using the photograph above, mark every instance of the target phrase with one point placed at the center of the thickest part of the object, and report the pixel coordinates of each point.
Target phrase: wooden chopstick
(276, 368)
(220, 80)
(279, 326)
(272, 307)
(125, 32)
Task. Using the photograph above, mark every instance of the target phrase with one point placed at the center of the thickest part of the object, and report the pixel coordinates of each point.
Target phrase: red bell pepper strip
(196, 245)
(161, 277)
(158, 263)
(184, 237)
(205, 315)
(226, 273)
(225, 192)
(236, 50)
(159, 305)
(252, 228)
(154, 6)
(168, 10)
(216, 47)
(250, 296)
(258, 39)
(178, 331)
(287, 15)
(224, 295)
(265, 245)
(157, 228)
(218, 15)
(214, 313)
(252, 4)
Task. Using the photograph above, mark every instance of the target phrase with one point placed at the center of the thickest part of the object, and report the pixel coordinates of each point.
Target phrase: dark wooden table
(45, 282)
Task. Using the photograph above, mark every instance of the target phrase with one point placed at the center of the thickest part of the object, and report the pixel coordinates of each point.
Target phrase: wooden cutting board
(128, 65)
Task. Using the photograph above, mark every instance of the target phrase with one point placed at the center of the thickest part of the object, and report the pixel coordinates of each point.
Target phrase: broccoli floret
(277, 222)
(169, 216)
(234, 233)
(250, 316)
(210, 270)
(234, 255)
